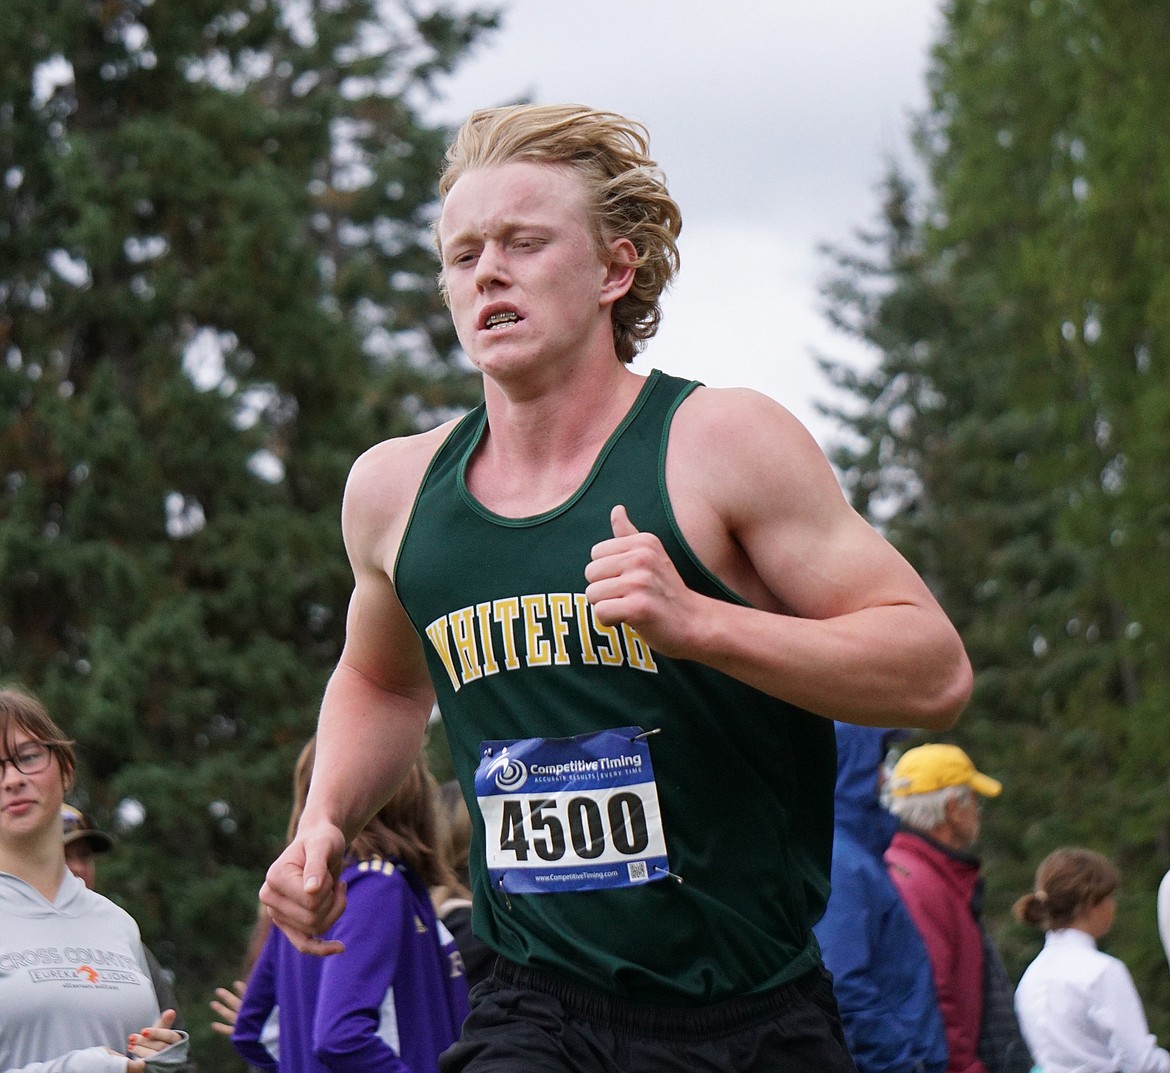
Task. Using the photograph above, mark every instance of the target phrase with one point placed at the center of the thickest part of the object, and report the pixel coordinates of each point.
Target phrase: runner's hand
(302, 891)
(632, 580)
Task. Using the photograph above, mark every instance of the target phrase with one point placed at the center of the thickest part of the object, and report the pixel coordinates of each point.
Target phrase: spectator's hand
(302, 892)
(226, 1006)
(156, 1038)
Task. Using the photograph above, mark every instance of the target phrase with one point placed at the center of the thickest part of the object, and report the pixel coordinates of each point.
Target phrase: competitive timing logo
(508, 773)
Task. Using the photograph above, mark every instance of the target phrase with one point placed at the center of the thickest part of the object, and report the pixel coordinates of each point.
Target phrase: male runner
(640, 603)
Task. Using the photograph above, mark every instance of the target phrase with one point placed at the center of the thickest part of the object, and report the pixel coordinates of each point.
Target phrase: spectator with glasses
(75, 989)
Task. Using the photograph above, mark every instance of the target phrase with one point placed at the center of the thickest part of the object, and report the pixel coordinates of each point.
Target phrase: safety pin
(646, 734)
(666, 871)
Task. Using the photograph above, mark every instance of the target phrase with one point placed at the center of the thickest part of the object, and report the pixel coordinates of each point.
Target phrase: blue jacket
(881, 972)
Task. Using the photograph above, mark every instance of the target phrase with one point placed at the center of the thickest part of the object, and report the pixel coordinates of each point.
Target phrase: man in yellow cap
(936, 792)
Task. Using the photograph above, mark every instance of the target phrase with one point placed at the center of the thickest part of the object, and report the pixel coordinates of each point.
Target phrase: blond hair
(625, 192)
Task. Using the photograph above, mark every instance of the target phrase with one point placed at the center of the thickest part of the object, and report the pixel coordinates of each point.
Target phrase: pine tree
(216, 290)
(1009, 428)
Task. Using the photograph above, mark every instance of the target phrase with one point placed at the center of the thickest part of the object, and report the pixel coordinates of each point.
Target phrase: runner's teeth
(497, 319)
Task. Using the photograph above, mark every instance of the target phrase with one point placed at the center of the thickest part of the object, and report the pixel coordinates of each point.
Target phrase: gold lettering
(638, 651)
(463, 627)
(539, 650)
(437, 632)
(483, 612)
(560, 605)
(588, 652)
(506, 612)
(611, 653)
(466, 643)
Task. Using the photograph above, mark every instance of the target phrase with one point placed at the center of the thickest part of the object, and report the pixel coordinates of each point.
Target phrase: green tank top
(744, 781)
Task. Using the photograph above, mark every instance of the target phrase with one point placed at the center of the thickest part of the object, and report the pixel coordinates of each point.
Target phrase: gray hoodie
(73, 981)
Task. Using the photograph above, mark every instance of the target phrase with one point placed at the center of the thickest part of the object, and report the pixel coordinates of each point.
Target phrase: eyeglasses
(30, 759)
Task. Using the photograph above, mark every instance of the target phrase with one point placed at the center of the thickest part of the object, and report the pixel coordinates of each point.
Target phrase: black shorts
(527, 1021)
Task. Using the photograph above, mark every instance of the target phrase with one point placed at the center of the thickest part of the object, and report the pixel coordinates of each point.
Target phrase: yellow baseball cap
(933, 767)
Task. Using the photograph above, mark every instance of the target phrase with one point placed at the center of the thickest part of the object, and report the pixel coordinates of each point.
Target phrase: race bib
(571, 814)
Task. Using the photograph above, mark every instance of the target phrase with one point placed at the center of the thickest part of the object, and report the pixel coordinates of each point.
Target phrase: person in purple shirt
(396, 997)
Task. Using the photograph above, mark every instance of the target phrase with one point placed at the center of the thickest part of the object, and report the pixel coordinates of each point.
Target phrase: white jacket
(1081, 1013)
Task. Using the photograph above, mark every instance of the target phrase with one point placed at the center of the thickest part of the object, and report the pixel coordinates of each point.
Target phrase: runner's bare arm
(840, 623)
(376, 704)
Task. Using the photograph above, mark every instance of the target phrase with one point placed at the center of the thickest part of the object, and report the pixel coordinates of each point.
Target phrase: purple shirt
(391, 1003)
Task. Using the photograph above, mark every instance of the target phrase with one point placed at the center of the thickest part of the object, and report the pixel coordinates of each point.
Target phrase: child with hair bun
(1078, 1007)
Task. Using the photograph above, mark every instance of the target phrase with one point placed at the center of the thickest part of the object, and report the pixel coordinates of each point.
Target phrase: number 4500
(623, 824)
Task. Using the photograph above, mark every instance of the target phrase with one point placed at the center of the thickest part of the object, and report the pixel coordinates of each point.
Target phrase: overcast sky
(773, 120)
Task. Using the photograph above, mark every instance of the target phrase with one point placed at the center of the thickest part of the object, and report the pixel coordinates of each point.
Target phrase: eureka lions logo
(509, 774)
(88, 972)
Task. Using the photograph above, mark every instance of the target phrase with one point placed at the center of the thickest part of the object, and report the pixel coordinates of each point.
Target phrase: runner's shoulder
(385, 479)
(718, 428)
(402, 460)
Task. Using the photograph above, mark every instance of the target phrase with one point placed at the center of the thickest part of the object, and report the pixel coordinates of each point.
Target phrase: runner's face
(526, 283)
